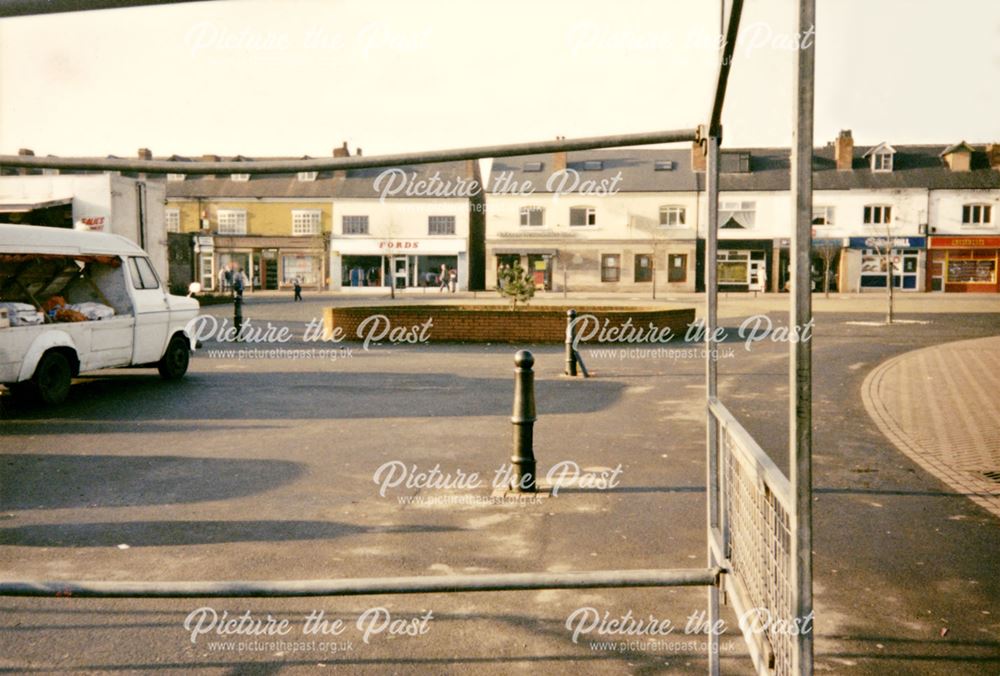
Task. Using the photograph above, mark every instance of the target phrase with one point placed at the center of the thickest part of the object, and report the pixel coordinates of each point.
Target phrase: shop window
(532, 216)
(610, 267)
(977, 214)
(971, 267)
(672, 216)
(582, 216)
(878, 214)
(822, 216)
(440, 225)
(172, 217)
(304, 268)
(354, 225)
(643, 268)
(306, 222)
(677, 265)
(733, 267)
(232, 221)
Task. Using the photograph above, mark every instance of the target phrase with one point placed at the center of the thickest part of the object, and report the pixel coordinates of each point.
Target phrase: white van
(73, 301)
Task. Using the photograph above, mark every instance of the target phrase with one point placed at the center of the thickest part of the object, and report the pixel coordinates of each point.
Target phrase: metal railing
(754, 542)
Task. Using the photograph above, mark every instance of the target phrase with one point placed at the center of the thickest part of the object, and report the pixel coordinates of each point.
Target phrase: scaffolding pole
(800, 351)
(427, 584)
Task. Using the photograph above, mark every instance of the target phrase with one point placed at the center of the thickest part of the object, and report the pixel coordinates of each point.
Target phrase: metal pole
(427, 584)
(711, 380)
(570, 336)
(351, 162)
(523, 420)
(800, 351)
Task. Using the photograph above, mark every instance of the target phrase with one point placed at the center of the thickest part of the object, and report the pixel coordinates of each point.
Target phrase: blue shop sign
(880, 242)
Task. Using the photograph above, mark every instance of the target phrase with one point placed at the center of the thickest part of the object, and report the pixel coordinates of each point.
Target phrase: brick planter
(500, 324)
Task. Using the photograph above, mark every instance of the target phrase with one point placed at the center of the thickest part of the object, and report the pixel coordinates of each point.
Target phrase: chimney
(559, 158)
(357, 151)
(993, 155)
(342, 151)
(698, 159)
(145, 154)
(23, 171)
(843, 151)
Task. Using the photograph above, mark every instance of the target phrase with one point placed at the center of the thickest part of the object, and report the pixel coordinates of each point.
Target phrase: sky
(296, 77)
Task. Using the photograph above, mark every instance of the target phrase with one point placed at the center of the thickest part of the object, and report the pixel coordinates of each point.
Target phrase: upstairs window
(232, 221)
(878, 214)
(882, 162)
(173, 219)
(977, 214)
(532, 216)
(737, 214)
(440, 225)
(663, 165)
(306, 222)
(593, 165)
(582, 216)
(822, 216)
(355, 225)
(672, 216)
(532, 166)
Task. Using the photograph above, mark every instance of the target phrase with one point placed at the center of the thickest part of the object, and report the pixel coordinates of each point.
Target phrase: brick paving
(941, 407)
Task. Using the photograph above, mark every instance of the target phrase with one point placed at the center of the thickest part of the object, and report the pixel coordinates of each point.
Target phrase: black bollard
(237, 313)
(524, 423)
(570, 338)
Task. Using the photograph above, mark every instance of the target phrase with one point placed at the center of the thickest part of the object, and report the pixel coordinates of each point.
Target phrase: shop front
(407, 263)
(743, 265)
(869, 259)
(539, 263)
(963, 264)
(268, 263)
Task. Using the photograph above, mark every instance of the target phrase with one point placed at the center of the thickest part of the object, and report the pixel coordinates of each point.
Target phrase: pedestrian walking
(239, 282)
(298, 289)
(443, 278)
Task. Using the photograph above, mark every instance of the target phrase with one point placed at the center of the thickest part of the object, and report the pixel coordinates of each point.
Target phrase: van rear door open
(152, 314)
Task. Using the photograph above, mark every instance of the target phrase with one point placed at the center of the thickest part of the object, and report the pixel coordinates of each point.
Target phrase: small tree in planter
(516, 285)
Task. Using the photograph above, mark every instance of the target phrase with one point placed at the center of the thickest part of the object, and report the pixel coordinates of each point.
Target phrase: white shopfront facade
(372, 261)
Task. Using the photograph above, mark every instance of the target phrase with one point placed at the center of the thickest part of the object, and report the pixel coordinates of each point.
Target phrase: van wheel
(174, 363)
(52, 378)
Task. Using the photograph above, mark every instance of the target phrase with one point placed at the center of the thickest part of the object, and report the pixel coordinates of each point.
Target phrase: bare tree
(883, 248)
(827, 250)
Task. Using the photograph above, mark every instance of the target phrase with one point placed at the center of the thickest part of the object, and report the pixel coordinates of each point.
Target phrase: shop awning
(21, 205)
(524, 250)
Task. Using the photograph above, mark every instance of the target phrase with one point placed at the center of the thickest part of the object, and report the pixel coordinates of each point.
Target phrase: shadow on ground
(30, 481)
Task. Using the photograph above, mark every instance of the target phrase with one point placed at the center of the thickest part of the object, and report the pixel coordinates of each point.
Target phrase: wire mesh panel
(755, 526)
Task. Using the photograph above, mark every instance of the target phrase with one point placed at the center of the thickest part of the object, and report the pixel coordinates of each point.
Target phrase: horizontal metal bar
(352, 162)
(30, 7)
(752, 456)
(368, 586)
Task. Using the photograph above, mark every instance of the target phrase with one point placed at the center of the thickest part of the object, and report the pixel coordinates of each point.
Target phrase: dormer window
(175, 177)
(307, 175)
(881, 157)
(240, 178)
(532, 166)
(663, 165)
(593, 165)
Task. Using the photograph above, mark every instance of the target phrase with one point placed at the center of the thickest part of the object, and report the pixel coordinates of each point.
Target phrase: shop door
(402, 271)
(757, 271)
(270, 273)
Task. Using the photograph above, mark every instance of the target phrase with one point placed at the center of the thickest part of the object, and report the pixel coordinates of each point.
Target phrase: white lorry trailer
(72, 302)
